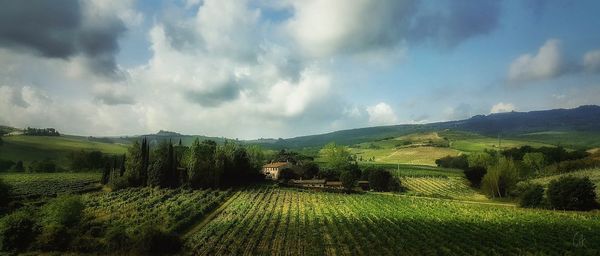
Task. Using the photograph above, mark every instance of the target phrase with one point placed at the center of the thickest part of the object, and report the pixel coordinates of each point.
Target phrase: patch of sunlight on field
(409, 155)
(480, 144)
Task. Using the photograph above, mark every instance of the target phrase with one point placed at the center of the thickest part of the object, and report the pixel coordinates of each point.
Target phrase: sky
(252, 69)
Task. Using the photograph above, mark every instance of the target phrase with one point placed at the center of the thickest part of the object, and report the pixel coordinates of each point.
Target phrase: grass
(31, 185)
(276, 221)
(408, 155)
(56, 148)
(425, 148)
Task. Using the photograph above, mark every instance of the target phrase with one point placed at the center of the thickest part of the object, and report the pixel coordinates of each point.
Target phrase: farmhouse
(272, 170)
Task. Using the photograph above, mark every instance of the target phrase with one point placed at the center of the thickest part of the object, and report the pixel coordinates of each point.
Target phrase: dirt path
(446, 199)
(207, 218)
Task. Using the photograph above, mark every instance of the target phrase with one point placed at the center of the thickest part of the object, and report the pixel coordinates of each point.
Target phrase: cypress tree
(106, 174)
(170, 172)
(122, 167)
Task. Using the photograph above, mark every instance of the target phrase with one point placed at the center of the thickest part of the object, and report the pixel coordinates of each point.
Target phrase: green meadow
(57, 148)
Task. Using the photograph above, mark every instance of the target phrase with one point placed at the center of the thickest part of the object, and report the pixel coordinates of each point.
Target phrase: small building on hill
(272, 170)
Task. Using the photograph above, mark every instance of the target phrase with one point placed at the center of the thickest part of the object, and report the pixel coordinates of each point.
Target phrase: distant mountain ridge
(581, 119)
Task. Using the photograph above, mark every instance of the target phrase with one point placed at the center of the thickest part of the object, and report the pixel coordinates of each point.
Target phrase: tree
(500, 178)
(379, 179)
(572, 193)
(482, 159)
(287, 174)
(532, 196)
(336, 157)
(135, 164)
(534, 161)
(161, 172)
(348, 180)
(475, 175)
(309, 170)
(201, 164)
(1, 141)
(106, 174)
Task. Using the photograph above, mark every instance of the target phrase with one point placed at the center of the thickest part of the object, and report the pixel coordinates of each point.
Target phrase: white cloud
(502, 107)
(325, 27)
(591, 61)
(381, 114)
(547, 63)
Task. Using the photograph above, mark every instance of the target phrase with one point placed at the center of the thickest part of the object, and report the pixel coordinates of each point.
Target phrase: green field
(435, 182)
(56, 148)
(278, 221)
(425, 148)
(570, 139)
(28, 185)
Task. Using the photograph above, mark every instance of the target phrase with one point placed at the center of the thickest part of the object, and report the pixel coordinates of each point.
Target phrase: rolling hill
(578, 127)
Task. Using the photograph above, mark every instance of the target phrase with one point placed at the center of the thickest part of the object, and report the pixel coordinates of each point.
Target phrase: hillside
(581, 123)
(36, 148)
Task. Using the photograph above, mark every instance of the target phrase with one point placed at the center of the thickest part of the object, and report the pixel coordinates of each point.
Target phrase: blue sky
(266, 68)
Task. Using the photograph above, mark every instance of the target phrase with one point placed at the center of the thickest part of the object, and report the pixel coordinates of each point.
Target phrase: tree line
(205, 164)
(505, 173)
(40, 132)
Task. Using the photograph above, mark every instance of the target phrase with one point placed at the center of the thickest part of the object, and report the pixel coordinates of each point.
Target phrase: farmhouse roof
(275, 165)
(333, 183)
(308, 181)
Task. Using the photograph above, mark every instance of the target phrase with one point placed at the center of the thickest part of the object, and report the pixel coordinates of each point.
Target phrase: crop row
(450, 187)
(170, 209)
(279, 221)
(26, 185)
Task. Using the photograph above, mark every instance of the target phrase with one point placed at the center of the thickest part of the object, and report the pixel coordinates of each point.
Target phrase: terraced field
(169, 209)
(27, 185)
(280, 221)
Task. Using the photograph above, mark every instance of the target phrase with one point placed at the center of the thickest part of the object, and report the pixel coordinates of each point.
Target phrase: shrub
(117, 239)
(119, 183)
(65, 210)
(572, 193)
(152, 241)
(53, 237)
(475, 175)
(17, 231)
(531, 196)
(394, 185)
